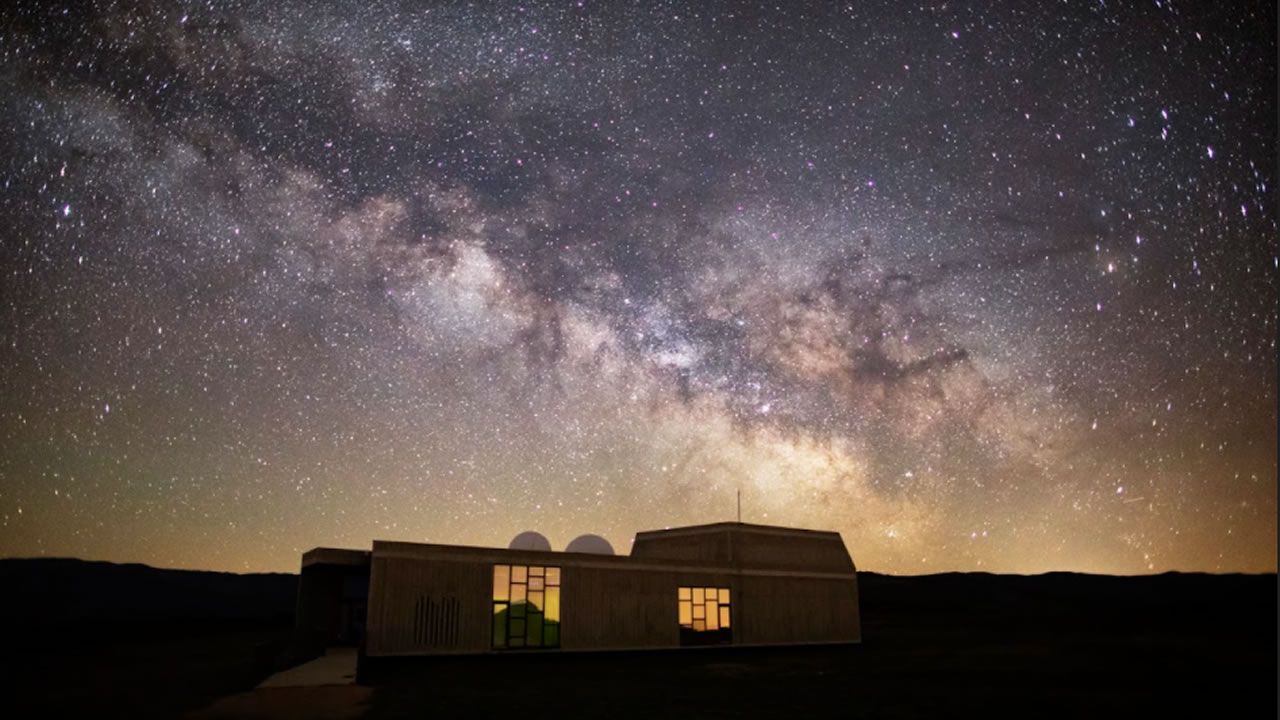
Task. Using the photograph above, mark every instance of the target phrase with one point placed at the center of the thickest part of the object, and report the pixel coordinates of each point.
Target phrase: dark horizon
(861, 571)
(151, 644)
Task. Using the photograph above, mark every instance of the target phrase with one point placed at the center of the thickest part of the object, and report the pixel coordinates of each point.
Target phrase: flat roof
(650, 559)
(748, 527)
(421, 551)
(335, 556)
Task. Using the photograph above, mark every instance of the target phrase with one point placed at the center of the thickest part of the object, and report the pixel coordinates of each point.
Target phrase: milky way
(982, 287)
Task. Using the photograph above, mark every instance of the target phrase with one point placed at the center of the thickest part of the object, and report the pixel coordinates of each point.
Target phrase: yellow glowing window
(526, 606)
(703, 609)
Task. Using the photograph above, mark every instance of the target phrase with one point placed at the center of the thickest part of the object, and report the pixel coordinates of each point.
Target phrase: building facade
(719, 584)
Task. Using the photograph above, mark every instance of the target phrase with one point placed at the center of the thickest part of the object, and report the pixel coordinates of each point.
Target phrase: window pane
(526, 608)
(724, 616)
(713, 618)
(683, 593)
(711, 593)
(699, 625)
(724, 596)
(686, 612)
(553, 604)
(500, 625)
(501, 579)
(534, 633)
(699, 611)
(699, 595)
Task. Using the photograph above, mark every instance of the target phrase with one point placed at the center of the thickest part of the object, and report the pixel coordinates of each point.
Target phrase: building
(719, 584)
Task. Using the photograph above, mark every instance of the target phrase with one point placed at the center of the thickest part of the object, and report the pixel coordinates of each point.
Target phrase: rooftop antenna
(739, 504)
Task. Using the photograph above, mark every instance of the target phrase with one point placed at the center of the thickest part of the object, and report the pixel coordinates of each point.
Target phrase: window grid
(704, 609)
(526, 606)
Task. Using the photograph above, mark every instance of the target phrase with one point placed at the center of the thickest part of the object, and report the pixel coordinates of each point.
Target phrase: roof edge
(335, 556)
(730, 525)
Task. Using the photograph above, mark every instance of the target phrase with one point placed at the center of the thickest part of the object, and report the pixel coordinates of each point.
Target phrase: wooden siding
(710, 547)
(814, 553)
(739, 545)
(607, 602)
(398, 587)
(619, 608)
(773, 610)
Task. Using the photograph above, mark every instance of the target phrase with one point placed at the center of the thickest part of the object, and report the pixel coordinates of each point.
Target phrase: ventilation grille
(435, 622)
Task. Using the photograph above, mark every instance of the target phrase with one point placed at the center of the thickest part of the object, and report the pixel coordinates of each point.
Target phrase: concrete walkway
(330, 702)
(322, 689)
(336, 667)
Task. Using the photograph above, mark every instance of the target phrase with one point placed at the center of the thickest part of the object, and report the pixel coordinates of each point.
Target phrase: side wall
(429, 606)
(785, 610)
(327, 605)
(711, 547)
(439, 605)
(615, 609)
(818, 553)
(748, 547)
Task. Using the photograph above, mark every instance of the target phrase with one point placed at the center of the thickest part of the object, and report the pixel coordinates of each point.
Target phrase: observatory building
(720, 584)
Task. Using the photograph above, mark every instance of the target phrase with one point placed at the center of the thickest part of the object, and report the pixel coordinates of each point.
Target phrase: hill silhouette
(147, 642)
(69, 591)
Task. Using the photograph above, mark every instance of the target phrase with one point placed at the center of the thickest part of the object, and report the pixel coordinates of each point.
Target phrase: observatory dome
(530, 540)
(593, 544)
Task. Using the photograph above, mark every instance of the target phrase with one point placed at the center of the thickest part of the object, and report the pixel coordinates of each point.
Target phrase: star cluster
(980, 286)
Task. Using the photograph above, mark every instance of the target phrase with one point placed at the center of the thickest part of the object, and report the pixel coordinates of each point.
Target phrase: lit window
(704, 614)
(526, 606)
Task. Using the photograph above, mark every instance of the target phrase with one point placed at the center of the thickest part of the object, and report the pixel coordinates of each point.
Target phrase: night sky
(981, 286)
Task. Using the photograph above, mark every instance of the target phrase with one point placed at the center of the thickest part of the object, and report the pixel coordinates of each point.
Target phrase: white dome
(593, 544)
(530, 540)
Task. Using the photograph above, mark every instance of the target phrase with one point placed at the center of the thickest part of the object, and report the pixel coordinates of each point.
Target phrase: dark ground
(1057, 645)
(138, 672)
(971, 645)
(101, 640)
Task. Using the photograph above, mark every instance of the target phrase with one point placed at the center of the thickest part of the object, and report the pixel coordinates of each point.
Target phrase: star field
(980, 286)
